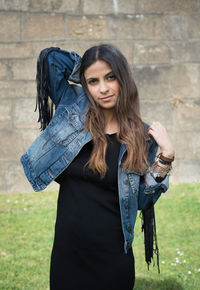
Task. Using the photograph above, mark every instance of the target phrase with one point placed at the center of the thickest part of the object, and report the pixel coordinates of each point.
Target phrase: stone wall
(161, 40)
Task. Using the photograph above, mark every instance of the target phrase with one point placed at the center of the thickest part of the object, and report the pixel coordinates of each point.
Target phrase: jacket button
(126, 205)
(126, 181)
(128, 228)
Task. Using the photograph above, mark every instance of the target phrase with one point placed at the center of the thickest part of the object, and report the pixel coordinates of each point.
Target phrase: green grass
(27, 228)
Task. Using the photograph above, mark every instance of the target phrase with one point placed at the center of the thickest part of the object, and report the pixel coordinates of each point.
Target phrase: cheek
(93, 92)
(117, 88)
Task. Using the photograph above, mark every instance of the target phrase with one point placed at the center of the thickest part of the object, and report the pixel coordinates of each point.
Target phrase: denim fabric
(56, 147)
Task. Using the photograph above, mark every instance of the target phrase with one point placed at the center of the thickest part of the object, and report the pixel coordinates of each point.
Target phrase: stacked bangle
(164, 160)
(158, 172)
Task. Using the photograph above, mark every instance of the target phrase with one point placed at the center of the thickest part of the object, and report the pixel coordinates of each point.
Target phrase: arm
(63, 66)
(150, 190)
(54, 68)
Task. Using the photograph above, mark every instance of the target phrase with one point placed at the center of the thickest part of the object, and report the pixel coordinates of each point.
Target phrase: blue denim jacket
(56, 147)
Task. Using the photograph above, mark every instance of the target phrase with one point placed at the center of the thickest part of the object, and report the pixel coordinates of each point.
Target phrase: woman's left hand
(159, 133)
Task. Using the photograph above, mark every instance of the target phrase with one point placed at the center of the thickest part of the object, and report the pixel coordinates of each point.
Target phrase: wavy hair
(127, 109)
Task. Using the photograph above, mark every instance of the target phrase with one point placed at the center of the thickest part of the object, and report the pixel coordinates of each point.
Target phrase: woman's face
(102, 84)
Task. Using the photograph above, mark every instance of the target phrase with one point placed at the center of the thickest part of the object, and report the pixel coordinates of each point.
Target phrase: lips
(107, 98)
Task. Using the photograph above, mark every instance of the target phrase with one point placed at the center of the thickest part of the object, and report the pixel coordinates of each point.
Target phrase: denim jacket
(56, 147)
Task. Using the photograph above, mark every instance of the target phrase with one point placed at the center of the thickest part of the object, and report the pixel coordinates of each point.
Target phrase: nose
(103, 87)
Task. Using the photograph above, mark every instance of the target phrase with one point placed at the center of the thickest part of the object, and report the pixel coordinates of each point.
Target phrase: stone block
(42, 26)
(86, 28)
(187, 116)
(38, 46)
(80, 46)
(16, 50)
(11, 145)
(186, 51)
(98, 7)
(151, 53)
(126, 48)
(193, 73)
(189, 171)
(17, 89)
(153, 82)
(181, 80)
(173, 28)
(14, 5)
(9, 27)
(24, 69)
(66, 6)
(155, 111)
(127, 6)
(192, 26)
(106, 7)
(186, 144)
(168, 82)
(5, 114)
(28, 136)
(14, 180)
(24, 116)
(167, 6)
(146, 27)
(3, 69)
(38, 5)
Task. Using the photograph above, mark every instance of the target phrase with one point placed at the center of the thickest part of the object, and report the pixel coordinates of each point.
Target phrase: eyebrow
(92, 78)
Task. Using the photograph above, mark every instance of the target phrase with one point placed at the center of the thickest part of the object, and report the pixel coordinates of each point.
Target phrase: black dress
(88, 251)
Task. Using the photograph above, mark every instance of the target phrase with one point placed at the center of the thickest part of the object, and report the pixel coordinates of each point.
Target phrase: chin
(108, 107)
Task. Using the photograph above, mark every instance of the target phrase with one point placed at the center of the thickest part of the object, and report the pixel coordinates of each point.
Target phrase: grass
(27, 228)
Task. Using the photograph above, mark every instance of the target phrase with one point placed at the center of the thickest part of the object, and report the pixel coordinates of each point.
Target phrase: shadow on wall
(166, 284)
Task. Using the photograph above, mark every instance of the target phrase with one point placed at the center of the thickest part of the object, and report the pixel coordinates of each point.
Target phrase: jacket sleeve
(149, 189)
(54, 68)
(63, 66)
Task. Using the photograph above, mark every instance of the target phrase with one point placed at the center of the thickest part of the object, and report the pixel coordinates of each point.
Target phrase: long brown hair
(131, 128)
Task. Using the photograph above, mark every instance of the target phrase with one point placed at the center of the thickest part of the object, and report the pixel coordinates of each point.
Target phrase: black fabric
(150, 237)
(88, 251)
(43, 102)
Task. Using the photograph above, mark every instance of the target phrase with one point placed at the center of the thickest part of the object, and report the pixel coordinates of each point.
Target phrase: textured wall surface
(161, 40)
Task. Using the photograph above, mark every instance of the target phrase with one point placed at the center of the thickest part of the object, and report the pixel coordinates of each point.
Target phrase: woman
(102, 154)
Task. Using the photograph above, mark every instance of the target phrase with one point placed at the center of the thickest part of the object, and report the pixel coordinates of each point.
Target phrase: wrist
(168, 153)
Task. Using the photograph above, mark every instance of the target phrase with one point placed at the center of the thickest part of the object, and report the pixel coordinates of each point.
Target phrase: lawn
(26, 236)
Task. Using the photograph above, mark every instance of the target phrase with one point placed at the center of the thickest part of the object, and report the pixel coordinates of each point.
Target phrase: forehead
(97, 69)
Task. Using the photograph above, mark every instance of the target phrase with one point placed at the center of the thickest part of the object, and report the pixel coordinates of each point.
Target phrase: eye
(111, 77)
(92, 81)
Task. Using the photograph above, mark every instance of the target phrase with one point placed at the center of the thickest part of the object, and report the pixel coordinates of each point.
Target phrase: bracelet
(166, 159)
(158, 172)
(163, 161)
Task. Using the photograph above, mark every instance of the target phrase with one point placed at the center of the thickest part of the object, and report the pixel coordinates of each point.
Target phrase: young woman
(103, 156)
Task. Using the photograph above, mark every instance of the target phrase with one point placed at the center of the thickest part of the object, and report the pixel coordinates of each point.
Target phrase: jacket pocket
(64, 127)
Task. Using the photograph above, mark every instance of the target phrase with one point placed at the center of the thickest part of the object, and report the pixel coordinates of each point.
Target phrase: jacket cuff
(152, 186)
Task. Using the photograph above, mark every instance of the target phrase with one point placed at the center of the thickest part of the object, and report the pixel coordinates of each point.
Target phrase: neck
(111, 124)
(109, 116)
